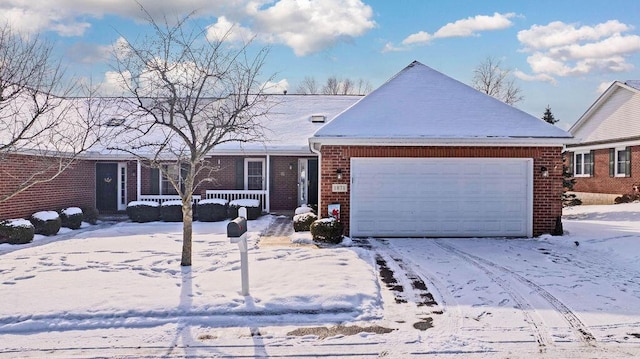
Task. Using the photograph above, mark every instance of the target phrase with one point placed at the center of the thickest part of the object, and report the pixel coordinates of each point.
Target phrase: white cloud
(114, 83)
(560, 49)
(463, 28)
(311, 26)
(603, 87)
(390, 47)
(538, 77)
(225, 30)
(275, 87)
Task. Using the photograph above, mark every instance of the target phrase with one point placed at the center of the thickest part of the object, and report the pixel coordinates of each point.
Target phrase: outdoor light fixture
(339, 172)
(544, 171)
(290, 166)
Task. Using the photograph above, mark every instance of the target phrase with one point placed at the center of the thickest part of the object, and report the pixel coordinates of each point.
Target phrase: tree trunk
(187, 230)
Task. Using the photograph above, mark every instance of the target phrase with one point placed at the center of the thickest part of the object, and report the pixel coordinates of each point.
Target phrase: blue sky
(563, 53)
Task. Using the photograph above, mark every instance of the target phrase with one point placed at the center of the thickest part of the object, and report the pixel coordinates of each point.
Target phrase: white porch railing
(231, 195)
(166, 197)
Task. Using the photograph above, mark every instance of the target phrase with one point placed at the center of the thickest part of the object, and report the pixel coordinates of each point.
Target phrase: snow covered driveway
(119, 291)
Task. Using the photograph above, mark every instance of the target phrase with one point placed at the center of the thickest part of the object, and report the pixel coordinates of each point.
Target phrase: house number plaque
(339, 187)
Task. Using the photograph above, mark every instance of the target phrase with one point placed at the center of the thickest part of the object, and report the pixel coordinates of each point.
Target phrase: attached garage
(427, 156)
(441, 197)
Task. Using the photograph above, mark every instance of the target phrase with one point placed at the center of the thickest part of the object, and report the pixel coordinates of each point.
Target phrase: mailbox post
(237, 233)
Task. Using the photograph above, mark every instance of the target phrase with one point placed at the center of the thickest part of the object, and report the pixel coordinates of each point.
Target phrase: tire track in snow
(581, 330)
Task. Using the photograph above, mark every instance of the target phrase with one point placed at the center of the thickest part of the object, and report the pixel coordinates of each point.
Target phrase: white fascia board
(485, 142)
(303, 151)
(600, 146)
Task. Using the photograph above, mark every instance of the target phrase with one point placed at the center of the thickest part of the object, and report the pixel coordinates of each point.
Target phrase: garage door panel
(437, 197)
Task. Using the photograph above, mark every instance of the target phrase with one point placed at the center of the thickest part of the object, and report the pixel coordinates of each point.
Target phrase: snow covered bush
(46, 222)
(90, 215)
(302, 222)
(327, 230)
(252, 205)
(171, 211)
(16, 231)
(71, 217)
(213, 210)
(143, 211)
(303, 209)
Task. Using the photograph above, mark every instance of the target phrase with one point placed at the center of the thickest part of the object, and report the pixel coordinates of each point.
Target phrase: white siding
(617, 118)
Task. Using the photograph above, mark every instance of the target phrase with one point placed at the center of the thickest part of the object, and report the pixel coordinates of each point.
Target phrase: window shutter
(592, 154)
(155, 181)
(240, 173)
(627, 163)
(571, 161)
(612, 162)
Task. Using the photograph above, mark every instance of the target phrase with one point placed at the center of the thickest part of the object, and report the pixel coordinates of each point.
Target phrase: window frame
(247, 175)
(579, 164)
(622, 170)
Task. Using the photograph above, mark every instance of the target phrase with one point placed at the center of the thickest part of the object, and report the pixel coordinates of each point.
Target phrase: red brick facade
(602, 181)
(547, 191)
(75, 187)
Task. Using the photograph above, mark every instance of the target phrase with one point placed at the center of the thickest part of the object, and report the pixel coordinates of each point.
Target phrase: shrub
(627, 198)
(303, 209)
(327, 230)
(16, 231)
(252, 205)
(46, 222)
(71, 217)
(143, 211)
(302, 222)
(90, 215)
(171, 211)
(212, 210)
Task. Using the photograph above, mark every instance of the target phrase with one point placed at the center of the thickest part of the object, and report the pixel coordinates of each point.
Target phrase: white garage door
(441, 197)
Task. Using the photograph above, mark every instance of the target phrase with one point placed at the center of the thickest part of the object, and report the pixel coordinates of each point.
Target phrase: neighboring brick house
(605, 159)
(427, 156)
(280, 171)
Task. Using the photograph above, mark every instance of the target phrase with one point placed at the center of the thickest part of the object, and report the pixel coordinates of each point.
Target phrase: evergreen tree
(548, 116)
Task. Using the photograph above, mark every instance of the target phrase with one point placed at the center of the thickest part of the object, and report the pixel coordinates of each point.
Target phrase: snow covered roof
(425, 106)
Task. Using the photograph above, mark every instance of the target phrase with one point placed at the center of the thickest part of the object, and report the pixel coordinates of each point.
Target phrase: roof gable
(422, 103)
(614, 116)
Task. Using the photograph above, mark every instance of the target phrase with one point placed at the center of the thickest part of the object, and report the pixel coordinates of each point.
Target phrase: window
(160, 182)
(583, 164)
(622, 162)
(254, 174)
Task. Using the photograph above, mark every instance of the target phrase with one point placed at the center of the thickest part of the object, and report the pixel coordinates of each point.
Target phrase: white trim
(122, 186)
(575, 164)
(138, 179)
(315, 148)
(246, 172)
(303, 183)
(616, 162)
(602, 146)
(453, 142)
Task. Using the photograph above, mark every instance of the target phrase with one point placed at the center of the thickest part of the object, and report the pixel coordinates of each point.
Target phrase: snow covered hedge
(71, 217)
(171, 211)
(16, 231)
(327, 230)
(303, 218)
(47, 223)
(252, 205)
(213, 210)
(143, 211)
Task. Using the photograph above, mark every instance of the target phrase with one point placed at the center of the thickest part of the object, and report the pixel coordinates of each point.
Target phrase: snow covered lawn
(120, 291)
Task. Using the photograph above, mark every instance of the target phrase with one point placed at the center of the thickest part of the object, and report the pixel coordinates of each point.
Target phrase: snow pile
(220, 201)
(46, 215)
(17, 223)
(143, 203)
(71, 211)
(303, 209)
(245, 203)
(173, 202)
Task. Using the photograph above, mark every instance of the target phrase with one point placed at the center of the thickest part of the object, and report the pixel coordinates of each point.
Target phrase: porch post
(268, 204)
(138, 179)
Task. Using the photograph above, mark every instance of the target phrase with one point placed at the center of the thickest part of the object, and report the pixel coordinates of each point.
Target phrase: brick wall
(75, 187)
(601, 182)
(547, 192)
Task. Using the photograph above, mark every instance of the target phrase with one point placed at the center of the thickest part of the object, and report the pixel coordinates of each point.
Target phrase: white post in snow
(237, 233)
(139, 179)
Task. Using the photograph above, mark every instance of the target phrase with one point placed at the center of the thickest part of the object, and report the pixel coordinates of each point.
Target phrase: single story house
(605, 159)
(427, 156)
(280, 171)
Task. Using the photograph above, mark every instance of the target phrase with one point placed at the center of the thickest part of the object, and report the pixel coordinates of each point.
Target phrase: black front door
(313, 181)
(107, 186)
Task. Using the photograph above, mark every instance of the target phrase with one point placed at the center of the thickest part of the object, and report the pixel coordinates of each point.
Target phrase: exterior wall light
(544, 171)
(339, 173)
(290, 166)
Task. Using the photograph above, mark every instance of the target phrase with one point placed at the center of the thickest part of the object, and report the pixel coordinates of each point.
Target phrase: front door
(307, 181)
(107, 186)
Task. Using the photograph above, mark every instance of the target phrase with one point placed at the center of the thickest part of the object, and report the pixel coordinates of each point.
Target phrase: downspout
(315, 148)
(138, 179)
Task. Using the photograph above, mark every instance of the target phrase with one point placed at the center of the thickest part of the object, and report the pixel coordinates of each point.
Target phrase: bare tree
(347, 87)
(188, 95)
(489, 77)
(308, 86)
(363, 87)
(332, 86)
(36, 116)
